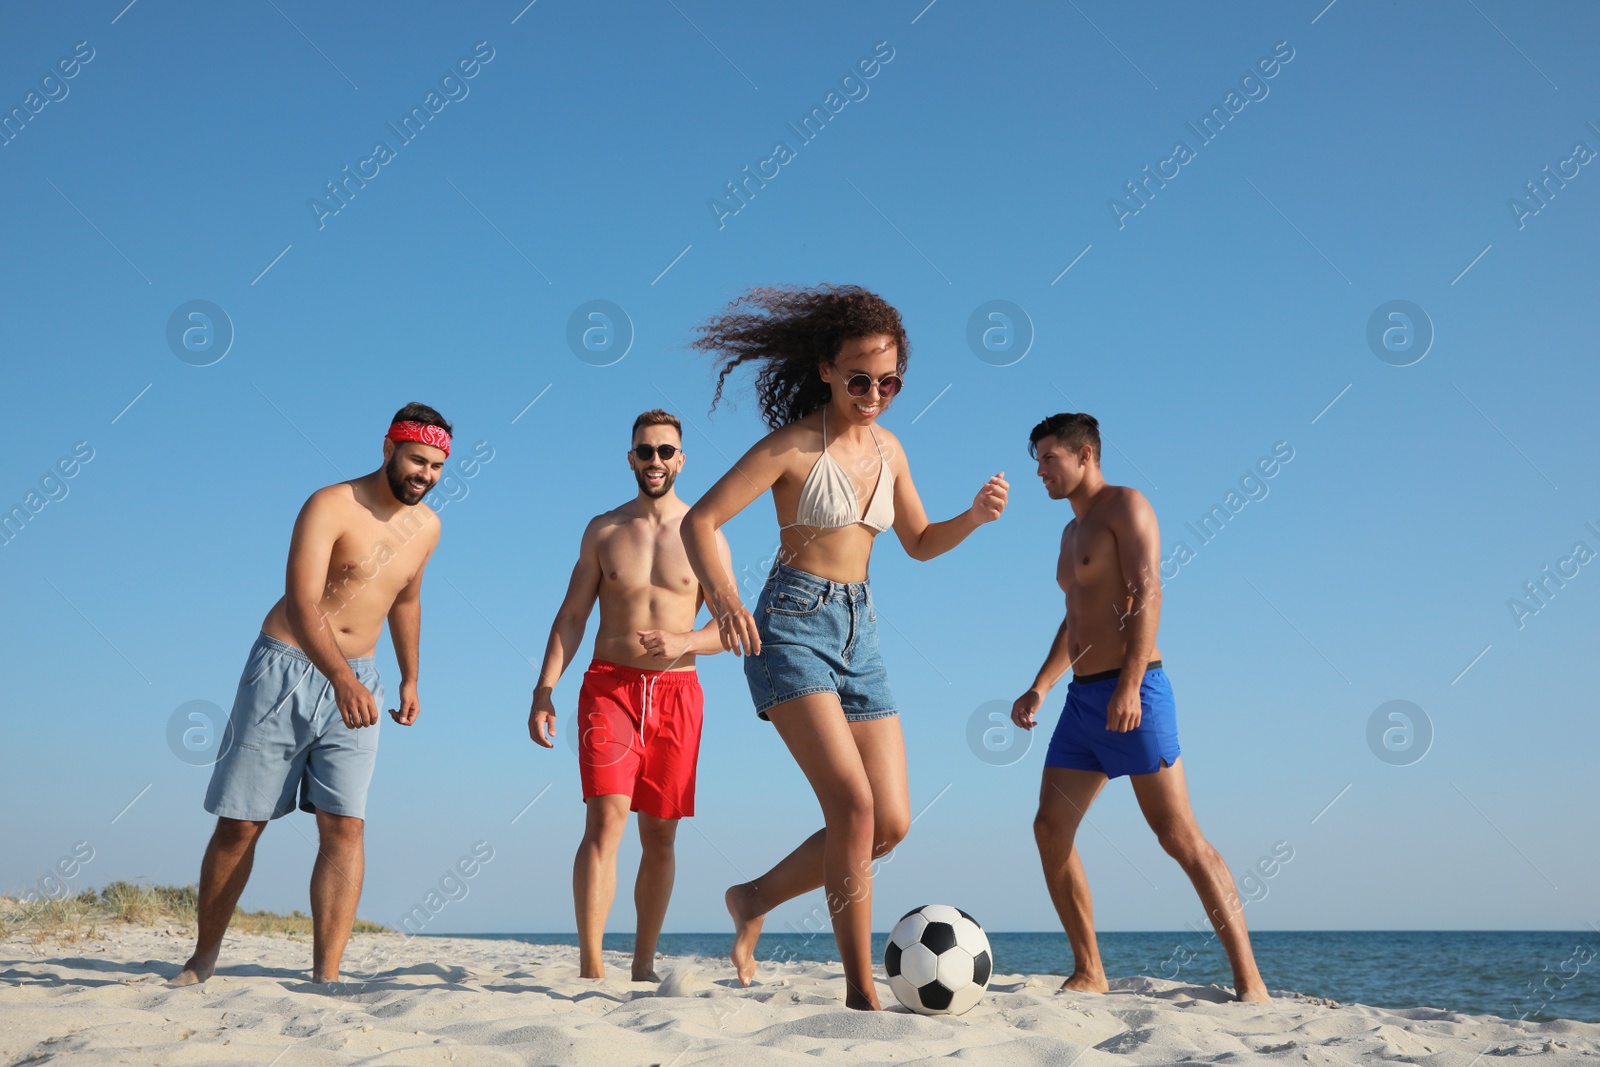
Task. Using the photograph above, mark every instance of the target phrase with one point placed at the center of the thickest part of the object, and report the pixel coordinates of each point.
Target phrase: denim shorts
(285, 737)
(818, 636)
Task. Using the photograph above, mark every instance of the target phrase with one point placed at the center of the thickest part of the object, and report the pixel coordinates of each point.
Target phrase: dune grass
(79, 917)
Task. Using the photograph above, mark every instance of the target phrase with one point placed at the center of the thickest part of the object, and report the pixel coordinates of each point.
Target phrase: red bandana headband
(420, 432)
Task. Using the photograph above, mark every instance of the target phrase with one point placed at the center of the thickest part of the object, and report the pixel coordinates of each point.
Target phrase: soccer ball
(938, 960)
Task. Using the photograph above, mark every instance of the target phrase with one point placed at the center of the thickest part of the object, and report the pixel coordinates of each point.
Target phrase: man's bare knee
(340, 830)
(657, 835)
(237, 833)
(1054, 828)
(1183, 842)
(605, 824)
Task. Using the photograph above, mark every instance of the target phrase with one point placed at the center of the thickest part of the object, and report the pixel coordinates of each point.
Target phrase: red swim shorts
(639, 736)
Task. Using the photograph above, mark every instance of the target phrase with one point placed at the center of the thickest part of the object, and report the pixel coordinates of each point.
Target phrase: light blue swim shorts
(285, 735)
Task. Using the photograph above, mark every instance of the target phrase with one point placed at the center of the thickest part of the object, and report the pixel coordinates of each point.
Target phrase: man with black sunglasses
(639, 710)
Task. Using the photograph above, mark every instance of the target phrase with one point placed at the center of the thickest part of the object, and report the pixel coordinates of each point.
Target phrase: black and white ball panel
(938, 960)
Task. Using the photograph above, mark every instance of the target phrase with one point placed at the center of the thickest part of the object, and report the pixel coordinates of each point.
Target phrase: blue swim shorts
(818, 636)
(1082, 742)
(285, 736)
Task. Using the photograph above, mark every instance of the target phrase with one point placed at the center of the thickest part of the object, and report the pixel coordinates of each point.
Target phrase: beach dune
(424, 1001)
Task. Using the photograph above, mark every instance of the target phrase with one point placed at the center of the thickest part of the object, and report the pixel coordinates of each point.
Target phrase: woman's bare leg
(877, 748)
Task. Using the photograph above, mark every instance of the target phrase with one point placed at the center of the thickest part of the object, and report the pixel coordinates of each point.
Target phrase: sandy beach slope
(445, 1000)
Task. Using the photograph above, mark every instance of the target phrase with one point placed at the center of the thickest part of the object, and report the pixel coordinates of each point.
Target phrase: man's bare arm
(405, 624)
(1133, 522)
(1059, 659)
(405, 631)
(1025, 707)
(316, 531)
(1056, 663)
(566, 632)
(572, 618)
(1139, 553)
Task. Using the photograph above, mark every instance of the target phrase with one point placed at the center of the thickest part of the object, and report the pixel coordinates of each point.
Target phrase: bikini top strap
(879, 444)
(824, 430)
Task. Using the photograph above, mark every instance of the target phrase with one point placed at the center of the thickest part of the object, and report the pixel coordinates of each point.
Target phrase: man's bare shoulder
(607, 521)
(334, 495)
(424, 519)
(342, 499)
(331, 503)
(1123, 500)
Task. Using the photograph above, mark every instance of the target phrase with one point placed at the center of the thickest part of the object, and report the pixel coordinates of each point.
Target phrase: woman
(831, 361)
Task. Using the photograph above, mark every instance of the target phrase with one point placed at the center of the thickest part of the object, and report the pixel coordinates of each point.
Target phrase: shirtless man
(1119, 717)
(640, 706)
(305, 718)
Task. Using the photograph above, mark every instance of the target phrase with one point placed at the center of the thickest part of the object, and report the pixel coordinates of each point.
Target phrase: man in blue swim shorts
(304, 726)
(1119, 717)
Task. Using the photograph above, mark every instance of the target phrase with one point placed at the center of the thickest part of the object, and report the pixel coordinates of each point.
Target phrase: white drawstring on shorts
(649, 681)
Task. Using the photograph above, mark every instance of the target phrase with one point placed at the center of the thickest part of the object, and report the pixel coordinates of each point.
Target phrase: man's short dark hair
(1072, 428)
(656, 417)
(424, 414)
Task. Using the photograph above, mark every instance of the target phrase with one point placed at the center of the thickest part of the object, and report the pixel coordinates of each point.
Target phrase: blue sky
(979, 162)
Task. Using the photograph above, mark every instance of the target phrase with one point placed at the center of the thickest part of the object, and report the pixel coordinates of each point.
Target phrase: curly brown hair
(791, 331)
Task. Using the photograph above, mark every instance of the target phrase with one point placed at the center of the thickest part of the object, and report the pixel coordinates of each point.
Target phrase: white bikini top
(828, 497)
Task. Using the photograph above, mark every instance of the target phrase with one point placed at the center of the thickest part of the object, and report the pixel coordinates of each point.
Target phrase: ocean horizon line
(1062, 933)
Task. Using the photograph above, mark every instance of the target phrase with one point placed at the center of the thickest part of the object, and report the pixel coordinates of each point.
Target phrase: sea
(1536, 975)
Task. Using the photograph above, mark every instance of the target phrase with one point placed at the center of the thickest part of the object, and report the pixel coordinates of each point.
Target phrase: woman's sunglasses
(649, 452)
(860, 384)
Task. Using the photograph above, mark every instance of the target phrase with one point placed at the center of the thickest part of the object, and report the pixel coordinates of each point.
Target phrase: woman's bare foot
(747, 920)
(645, 973)
(1084, 982)
(1253, 994)
(197, 970)
(855, 1000)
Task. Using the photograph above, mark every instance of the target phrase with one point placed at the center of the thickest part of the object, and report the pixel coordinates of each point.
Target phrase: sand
(103, 1000)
